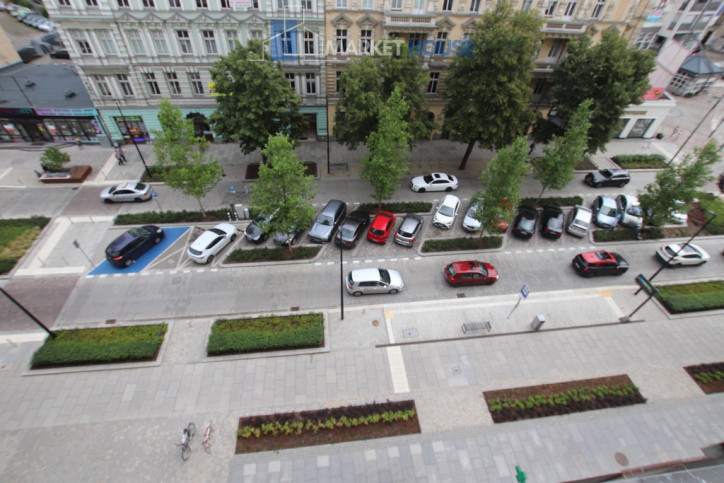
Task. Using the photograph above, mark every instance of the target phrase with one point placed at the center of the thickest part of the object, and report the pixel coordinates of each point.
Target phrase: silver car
(470, 223)
(579, 219)
(605, 213)
(126, 192)
(373, 281)
(408, 230)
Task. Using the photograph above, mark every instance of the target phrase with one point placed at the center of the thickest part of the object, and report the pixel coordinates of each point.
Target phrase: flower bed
(263, 254)
(462, 243)
(709, 377)
(563, 398)
(273, 432)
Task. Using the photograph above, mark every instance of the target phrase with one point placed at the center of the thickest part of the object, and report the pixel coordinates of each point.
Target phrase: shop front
(132, 128)
(49, 125)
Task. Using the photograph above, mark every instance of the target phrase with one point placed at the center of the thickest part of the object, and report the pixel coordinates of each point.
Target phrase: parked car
(608, 177)
(60, 54)
(579, 219)
(601, 262)
(46, 26)
(367, 281)
(211, 242)
(381, 227)
(552, 222)
(604, 212)
(434, 182)
(125, 250)
(28, 54)
(629, 211)
(52, 38)
(256, 231)
(327, 221)
(127, 192)
(471, 272)
(352, 228)
(470, 223)
(408, 230)
(284, 239)
(680, 254)
(446, 212)
(525, 222)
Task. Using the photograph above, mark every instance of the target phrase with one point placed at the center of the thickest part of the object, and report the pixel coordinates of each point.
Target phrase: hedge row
(462, 243)
(263, 254)
(15, 229)
(692, 297)
(88, 346)
(647, 233)
(553, 201)
(155, 217)
(239, 336)
(713, 203)
(398, 207)
(640, 161)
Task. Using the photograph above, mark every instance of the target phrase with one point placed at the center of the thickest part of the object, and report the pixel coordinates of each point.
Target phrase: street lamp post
(148, 173)
(27, 312)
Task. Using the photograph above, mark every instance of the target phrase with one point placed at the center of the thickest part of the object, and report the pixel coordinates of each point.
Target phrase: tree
(488, 92)
(365, 87)
(501, 183)
(181, 154)
(254, 100)
(678, 183)
(284, 188)
(557, 166)
(388, 146)
(53, 159)
(611, 73)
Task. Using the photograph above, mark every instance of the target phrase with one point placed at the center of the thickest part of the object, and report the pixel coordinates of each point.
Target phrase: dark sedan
(601, 262)
(552, 222)
(284, 239)
(525, 222)
(124, 250)
(352, 228)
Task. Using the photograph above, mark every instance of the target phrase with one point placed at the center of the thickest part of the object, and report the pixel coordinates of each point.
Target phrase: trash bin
(538, 321)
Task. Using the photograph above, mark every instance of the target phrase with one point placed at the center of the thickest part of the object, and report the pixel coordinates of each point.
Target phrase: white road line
(5, 173)
(616, 309)
(398, 373)
(32, 272)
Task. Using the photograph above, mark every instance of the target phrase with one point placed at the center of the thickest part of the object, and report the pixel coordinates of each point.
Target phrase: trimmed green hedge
(155, 217)
(715, 204)
(12, 229)
(98, 346)
(640, 161)
(625, 234)
(277, 254)
(238, 336)
(692, 297)
(553, 201)
(398, 207)
(462, 243)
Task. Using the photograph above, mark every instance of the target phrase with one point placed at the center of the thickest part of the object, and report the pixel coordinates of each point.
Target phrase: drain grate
(295, 309)
(110, 321)
(407, 333)
(461, 295)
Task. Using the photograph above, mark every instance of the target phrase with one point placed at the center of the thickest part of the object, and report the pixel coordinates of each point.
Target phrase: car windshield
(608, 211)
(112, 189)
(325, 220)
(446, 210)
(556, 222)
(427, 178)
(217, 231)
(346, 233)
(138, 231)
(476, 266)
(377, 231)
(633, 210)
(607, 173)
(140, 186)
(385, 275)
(451, 270)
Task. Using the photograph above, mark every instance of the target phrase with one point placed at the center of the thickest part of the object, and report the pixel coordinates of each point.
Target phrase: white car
(446, 212)
(680, 254)
(126, 192)
(211, 242)
(434, 182)
(374, 281)
(470, 223)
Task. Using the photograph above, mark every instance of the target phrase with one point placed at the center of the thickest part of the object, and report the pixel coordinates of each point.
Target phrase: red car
(601, 262)
(381, 227)
(472, 272)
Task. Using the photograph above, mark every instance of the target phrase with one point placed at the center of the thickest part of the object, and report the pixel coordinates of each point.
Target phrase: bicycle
(206, 443)
(186, 437)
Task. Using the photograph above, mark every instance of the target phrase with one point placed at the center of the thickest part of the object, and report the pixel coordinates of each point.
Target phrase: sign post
(647, 287)
(524, 292)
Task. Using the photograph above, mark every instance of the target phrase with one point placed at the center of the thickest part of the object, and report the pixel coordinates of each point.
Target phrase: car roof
(411, 219)
(598, 256)
(607, 200)
(690, 248)
(467, 266)
(450, 199)
(365, 274)
(203, 240)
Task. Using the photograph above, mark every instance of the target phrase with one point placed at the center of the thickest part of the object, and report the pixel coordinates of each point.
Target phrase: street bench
(476, 327)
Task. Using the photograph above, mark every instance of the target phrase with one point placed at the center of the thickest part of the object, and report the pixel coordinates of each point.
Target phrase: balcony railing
(409, 21)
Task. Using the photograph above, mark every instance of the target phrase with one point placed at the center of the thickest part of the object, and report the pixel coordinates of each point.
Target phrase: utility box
(238, 210)
(538, 321)
(246, 213)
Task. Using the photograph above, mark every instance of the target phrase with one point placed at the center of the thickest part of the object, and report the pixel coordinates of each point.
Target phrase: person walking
(78, 143)
(120, 156)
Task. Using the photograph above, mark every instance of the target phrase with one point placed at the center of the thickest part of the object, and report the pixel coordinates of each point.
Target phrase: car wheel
(157, 240)
(448, 189)
(138, 200)
(597, 185)
(393, 291)
(210, 259)
(129, 262)
(421, 190)
(233, 237)
(357, 294)
(108, 201)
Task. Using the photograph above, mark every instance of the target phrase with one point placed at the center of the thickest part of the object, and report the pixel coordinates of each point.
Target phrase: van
(579, 219)
(327, 221)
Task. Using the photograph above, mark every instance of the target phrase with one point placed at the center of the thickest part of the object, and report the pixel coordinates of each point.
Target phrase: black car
(125, 249)
(283, 239)
(408, 230)
(601, 262)
(60, 54)
(552, 222)
(608, 177)
(255, 232)
(525, 222)
(352, 228)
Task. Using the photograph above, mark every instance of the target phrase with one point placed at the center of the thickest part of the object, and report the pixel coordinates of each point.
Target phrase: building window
(210, 41)
(159, 42)
(368, 4)
(174, 3)
(292, 81)
(341, 3)
(152, 84)
(447, 5)
(308, 42)
(225, 4)
(101, 85)
(64, 3)
(286, 39)
(306, 4)
(644, 40)
(184, 42)
(257, 34)
(526, 5)
(416, 39)
(121, 3)
(109, 48)
(474, 5)
(396, 4)
(148, 4)
(556, 48)
(540, 85)
(202, 4)
(311, 83)
(341, 41)
(570, 8)
(282, 4)
(432, 85)
(339, 76)
(467, 36)
(125, 84)
(365, 42)
(136, 43)
(440, 42)
(173, 84)
(84, 46)
(197, 87)
(551, 8)
(598, 8)
(91, 3)
(232, 39)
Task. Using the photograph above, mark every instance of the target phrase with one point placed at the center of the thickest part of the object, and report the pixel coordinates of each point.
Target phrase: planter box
(76, 174)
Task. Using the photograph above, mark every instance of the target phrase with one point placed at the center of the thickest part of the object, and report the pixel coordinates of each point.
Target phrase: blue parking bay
(171, 235)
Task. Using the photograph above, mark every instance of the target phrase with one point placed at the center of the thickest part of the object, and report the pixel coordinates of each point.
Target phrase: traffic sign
(646, 285)
(525, 291)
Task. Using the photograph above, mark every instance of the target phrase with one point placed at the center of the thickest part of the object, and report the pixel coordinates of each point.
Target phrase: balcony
(409, 21)
(563, 29)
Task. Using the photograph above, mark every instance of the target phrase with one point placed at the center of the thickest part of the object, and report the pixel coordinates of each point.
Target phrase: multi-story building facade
(132, 53)
(689, 22)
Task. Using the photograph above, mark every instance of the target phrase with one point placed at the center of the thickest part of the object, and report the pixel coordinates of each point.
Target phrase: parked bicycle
(186, 437)
(206, 443)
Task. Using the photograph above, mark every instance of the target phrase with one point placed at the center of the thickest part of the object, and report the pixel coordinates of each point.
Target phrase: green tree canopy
(284, 188)
(678, 182)
(367, 84)
(254, 100)
(182, 156)
(388, 146)
(611, 73)
(53, 159)
(489, 92)
(557, 166)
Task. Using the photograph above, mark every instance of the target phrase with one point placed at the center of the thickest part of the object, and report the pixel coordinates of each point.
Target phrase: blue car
(125, 249)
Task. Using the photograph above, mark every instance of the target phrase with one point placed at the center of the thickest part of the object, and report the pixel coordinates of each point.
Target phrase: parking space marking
(60, 226)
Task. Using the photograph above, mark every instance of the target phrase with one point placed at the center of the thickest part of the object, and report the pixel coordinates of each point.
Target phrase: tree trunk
(540, 195)
(464, 162)
(203, 212)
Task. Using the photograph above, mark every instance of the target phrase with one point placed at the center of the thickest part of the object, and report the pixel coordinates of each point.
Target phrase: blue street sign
(232, 189)
(524, 291)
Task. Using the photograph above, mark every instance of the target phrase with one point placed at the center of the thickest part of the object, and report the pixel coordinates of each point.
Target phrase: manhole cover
(375, 323)
(409, 333)
(621, 458)
(111, 321)
(176, 280)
